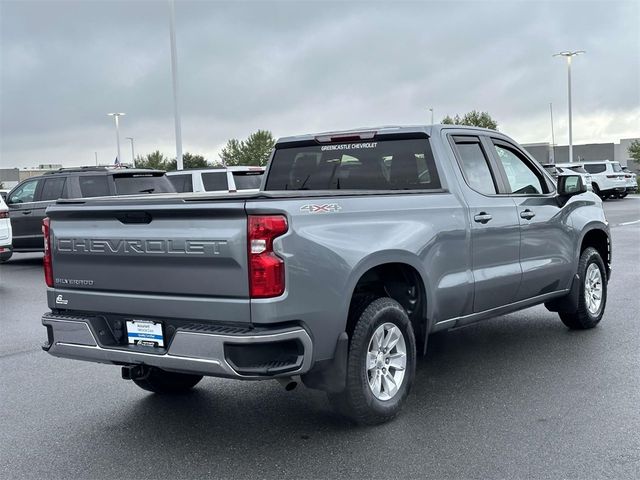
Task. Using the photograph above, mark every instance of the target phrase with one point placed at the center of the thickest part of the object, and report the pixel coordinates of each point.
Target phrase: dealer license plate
(145, 332)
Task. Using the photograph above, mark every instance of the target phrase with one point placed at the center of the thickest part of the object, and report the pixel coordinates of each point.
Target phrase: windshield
(374, 165)
(578, 169)
(136, 183)
(248, 180)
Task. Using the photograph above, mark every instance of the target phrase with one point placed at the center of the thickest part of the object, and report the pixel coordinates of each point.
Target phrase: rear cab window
(134, 183)
(385, 164)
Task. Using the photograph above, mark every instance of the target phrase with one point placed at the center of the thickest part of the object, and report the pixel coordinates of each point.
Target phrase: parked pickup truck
(359, 245)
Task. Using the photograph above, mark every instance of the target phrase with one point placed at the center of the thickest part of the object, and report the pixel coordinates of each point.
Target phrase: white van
(6, 249)
(230, 179)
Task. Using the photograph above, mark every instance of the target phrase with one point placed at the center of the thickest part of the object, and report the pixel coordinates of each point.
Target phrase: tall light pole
(569, 55)
(174, 76)
(133, 155)
(553, 137)
(115, 117)
(431, 110)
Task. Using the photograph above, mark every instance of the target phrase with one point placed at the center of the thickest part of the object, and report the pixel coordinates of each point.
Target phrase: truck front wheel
(380, 366)
(162, 381)
(592, 296)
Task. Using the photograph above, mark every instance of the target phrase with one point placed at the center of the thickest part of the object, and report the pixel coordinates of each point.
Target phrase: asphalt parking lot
(518, 396)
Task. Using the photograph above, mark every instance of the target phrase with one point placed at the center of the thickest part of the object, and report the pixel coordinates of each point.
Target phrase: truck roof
(427, 130)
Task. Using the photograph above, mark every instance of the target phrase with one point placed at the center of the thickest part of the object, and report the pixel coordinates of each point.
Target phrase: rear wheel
(380, 365)
(593, 292)
(6, 255)
(162, 381)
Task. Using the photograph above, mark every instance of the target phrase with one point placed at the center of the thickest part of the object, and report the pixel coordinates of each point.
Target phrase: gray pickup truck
(358, 245)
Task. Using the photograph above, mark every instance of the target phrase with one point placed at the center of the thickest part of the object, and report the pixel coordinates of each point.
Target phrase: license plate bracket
(145, 333)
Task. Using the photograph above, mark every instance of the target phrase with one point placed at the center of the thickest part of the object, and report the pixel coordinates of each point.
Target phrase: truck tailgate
(152, 251)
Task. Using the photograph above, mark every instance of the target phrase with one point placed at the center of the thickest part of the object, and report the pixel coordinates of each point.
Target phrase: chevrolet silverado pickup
(358, 245)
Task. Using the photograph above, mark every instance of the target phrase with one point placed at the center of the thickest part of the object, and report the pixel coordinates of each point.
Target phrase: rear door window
(475, 165)
(248, 180)
(215, 181)
(139, 183)
(376, 165)
(182, 183)
(595, 167)
(53, 188)
(94, 186)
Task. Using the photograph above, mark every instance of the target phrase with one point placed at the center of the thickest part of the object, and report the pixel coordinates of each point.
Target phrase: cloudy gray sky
(296, 67)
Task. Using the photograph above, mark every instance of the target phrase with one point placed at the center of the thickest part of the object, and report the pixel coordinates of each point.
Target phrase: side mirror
(569, 185)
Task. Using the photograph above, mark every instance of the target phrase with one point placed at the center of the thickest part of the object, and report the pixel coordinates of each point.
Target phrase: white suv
(5, 232)
(230, 179)
(607, 178)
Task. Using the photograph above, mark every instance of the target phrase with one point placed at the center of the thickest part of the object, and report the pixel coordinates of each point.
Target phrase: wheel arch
(596, 235)
(388, 274)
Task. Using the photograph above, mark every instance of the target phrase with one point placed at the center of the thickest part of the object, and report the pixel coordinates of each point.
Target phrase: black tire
(161, 381)
(597, 191)
(583, 318)
(622, 195)
(357, 400)
(5, 256)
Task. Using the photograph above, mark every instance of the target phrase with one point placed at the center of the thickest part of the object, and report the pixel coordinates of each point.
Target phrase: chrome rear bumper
(189, 351)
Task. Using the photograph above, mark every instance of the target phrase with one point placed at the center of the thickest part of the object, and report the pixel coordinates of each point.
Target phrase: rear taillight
(266, 269)
(4, 214)
(46, 261)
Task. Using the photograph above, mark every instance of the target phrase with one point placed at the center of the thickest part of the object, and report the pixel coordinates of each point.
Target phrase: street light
(174, 77)
(568, 55)
(115, 117)
(553, 137)
(133, 155)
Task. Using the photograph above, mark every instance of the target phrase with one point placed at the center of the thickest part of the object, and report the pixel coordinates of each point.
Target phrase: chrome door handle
(482, 217)
(527, 214)
(26, 212)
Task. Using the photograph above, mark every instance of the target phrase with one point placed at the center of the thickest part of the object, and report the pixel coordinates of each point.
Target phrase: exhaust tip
(290, 386)
(288, 383)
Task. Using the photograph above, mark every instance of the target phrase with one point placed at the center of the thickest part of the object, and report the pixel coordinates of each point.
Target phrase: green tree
(189, 160)
(474, 119)
(634, 151)
(154, 160)
(255, 150)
